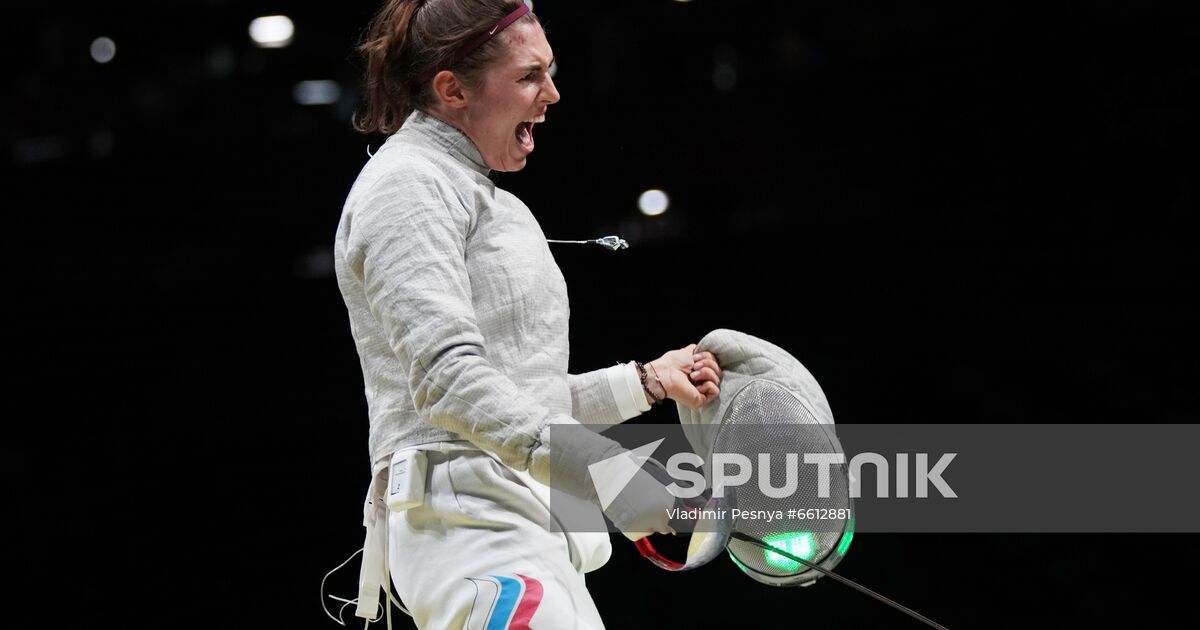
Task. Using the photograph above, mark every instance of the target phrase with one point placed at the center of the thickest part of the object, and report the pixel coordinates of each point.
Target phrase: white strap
(374, 561)
(345, 602)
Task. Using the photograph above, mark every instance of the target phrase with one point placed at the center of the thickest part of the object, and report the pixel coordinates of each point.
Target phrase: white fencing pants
(479, 554)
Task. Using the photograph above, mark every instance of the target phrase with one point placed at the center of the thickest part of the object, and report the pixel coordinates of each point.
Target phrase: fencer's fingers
(706, 358)
(705, 374)
(715, 365)
(710, 364)
(710, 391)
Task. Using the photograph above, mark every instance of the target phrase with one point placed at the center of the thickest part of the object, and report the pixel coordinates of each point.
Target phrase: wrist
(652, 386)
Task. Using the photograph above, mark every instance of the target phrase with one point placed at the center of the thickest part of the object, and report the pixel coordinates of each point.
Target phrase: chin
(512, 166)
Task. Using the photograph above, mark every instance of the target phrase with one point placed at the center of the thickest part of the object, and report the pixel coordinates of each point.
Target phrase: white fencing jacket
(459, 312)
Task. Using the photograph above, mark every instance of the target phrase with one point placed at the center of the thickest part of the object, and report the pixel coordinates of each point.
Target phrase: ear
(450, 90)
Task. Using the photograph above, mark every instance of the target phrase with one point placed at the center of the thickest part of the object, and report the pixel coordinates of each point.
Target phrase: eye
(529, 77)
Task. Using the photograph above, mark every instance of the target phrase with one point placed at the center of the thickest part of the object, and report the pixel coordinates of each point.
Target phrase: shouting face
(499, 115)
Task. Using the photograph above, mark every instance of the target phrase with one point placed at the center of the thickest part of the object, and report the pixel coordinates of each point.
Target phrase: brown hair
(409, 37)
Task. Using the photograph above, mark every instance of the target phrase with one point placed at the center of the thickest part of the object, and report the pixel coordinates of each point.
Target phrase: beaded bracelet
(660, 383)
(642, 375)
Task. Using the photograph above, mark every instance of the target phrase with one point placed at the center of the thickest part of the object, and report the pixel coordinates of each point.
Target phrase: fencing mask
(774, 473)
(776, 493)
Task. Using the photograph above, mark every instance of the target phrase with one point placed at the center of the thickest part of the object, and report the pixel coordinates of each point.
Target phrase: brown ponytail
(409, 37)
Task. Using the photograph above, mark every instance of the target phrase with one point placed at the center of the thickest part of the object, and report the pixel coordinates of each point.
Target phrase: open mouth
(524, 132)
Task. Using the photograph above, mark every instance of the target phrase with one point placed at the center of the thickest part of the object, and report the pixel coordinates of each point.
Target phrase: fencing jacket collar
(422, 128)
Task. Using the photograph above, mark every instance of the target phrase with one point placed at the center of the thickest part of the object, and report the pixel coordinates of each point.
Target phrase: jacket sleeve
(605, 397)
(407, 244)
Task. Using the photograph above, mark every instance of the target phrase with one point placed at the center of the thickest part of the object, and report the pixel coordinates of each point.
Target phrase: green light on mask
(844, 543)
(799, 544)
(738, 563)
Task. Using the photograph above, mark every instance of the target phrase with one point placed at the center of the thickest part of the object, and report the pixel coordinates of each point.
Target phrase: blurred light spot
(681, 1)
(724, 75)
(317, 92)
(653, 202)
(272, 31)
(553, 69)
(103, 50)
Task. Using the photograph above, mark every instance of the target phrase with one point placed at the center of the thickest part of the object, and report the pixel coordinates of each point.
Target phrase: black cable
(754, 541)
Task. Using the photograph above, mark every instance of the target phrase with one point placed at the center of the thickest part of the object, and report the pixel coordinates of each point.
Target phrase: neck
(450, 117)
(457, 119)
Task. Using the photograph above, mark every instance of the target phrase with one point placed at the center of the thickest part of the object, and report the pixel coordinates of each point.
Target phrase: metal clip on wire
(612, 243)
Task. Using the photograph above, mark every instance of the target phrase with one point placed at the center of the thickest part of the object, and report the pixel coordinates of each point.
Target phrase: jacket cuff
(626, 388)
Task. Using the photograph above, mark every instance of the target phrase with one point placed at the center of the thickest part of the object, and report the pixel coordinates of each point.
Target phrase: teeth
(539, 119)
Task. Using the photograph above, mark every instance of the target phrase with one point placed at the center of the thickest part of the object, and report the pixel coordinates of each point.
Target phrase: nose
(550, 94)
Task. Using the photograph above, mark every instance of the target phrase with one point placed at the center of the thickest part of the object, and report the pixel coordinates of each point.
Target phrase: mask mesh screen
(765, 419)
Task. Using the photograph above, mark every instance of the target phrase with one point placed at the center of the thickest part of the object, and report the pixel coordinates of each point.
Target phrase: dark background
(954, 212)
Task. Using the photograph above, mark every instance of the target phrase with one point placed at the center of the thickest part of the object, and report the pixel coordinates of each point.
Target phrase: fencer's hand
(690, 378)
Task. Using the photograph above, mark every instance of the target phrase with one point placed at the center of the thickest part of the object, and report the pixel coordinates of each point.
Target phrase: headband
(482, 39)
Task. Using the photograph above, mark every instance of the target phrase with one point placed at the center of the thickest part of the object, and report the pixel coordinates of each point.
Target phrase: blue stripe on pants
(510, 592)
